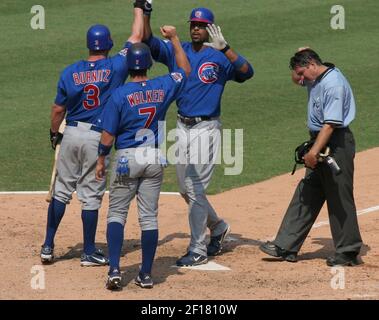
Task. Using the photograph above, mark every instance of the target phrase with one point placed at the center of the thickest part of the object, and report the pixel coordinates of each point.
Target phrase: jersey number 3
(150, 111)
(92, 100)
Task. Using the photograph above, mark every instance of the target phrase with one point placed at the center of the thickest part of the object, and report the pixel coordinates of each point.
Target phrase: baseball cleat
(47, 254)
(191, 259)
(273, 250)
(144, 280)
(95, 259)
(114, 281)
(215, 245)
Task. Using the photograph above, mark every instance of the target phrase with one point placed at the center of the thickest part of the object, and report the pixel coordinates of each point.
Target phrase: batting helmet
(202, 15)
(139, 57)
(99, 38)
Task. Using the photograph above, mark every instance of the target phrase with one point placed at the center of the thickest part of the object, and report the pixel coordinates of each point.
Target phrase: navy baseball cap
(202, 15)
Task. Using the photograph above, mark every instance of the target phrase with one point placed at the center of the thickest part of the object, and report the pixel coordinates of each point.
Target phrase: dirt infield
(254, 213)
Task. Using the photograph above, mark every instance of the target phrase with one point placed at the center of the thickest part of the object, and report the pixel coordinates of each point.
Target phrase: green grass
(270, 109)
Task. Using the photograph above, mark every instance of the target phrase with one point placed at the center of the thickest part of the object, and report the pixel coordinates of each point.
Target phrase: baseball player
(83, 89)
(131, 118)
(213, 63)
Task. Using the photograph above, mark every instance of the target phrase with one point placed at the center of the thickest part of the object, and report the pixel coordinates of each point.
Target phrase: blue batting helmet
(202, 15)
(99, 38)
(139, 57)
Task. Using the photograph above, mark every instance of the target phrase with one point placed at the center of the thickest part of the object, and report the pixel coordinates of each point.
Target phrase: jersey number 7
(150, 111)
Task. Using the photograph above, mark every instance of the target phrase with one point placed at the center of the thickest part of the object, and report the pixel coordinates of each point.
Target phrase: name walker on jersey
(149, 96)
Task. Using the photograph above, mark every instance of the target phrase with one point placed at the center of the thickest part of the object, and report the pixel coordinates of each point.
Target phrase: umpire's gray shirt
(330, 100)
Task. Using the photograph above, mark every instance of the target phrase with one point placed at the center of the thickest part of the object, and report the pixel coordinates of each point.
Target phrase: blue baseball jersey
(141, 105)
(330, 100)
(206, 82)
(85, 86)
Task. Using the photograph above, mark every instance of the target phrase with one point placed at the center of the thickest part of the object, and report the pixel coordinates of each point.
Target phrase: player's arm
(105, 147)
(161, 51)
(57, 116)
(169, 32)
(147, 33)
(137, 26)
(242, 67)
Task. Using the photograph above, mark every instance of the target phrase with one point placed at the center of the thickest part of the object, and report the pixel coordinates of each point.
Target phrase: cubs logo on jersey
(208, 72)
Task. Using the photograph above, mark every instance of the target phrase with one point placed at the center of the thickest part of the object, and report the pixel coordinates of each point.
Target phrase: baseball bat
(54, 171)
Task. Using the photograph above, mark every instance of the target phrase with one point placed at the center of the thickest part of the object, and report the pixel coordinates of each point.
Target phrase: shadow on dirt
(323, 253)
(327, 250)
(129, 245)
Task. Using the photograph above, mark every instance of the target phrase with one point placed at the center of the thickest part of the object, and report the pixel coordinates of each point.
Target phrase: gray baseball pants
(76, 166)
(322, 185)
(198, 147)
(145, 180)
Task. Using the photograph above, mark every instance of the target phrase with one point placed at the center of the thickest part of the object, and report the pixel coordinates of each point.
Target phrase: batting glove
(139, 4)
(145, 5)
(218, 40)
(148, 7)
(55, 138)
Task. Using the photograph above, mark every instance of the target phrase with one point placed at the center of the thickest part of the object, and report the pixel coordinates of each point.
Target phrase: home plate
(210, 266)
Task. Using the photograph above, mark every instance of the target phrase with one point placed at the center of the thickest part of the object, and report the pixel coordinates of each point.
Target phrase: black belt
(314, 134)
(191, 121)
(76, 123)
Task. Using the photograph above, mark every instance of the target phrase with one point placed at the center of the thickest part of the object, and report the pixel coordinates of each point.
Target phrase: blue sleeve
(61, 97)
(236, 75)
(110, 116)
(162, 51)
(119, 60)
(176, 81)
(243, 76)
(333, 106)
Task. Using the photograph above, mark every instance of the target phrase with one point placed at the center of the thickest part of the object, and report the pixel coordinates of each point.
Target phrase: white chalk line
(359, 213)
(9, 193)
(316, 225)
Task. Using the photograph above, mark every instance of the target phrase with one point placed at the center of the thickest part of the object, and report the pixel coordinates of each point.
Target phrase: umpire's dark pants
(320, 185)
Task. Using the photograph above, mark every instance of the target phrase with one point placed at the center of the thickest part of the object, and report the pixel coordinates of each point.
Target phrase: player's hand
(168, 32)
(139, 4)
(218, 40)
(55, 138)
(148, 7)
(297, 79)
(100, 169)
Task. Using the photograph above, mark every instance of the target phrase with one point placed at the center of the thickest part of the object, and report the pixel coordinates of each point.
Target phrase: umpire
(331, 108)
